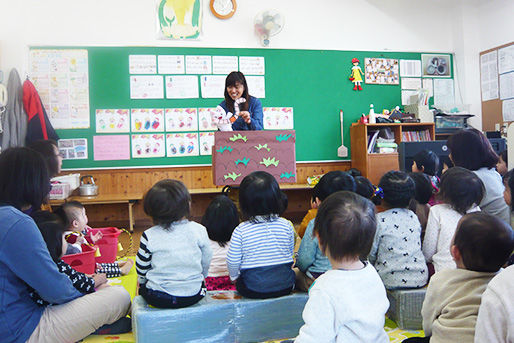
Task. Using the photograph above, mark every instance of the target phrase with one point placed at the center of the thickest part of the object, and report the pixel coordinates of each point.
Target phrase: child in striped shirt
(260, 255)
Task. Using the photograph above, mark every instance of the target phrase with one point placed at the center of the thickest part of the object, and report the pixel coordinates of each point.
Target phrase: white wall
(397, 25)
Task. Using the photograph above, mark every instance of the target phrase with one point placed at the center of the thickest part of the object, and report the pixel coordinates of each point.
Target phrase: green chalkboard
(314, 82)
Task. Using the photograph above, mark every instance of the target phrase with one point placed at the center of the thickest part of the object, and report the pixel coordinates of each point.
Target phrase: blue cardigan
(25, 261)
(255, 109)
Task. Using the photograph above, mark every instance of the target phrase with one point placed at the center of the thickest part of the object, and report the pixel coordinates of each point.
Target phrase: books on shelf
(381, 145)
(372, 139)
(416, 136)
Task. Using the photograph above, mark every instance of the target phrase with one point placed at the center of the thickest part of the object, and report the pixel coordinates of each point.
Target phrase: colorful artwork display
(206, 143)
(182, 144)
(278, 118)
(381, 71)
(112, 120)
(73, 149)
(206, 118)
(148, 145)
(147, 120)
(181, 119)
(179, 19)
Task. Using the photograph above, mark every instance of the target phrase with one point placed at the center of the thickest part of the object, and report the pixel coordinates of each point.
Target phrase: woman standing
(238, 99)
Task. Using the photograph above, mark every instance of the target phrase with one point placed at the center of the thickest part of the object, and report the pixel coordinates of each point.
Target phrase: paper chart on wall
(171, 64)
(411, 83)
(429, 84)
(206, 120)
(142, 64)
(406, 97)
(146, 87)
(148, 145)
(198, 64)
(213, 86)
(224, 64)
(489, 75)
(206, 143)
(112, 120)
(506, 59)
(508, 110)
(410, 68)
(147, 120)
(182, 144)
(181, 119)
(73, 149)
(61, 78)
(256, 86)
(381, 71)
(507, 86)
(111, 147)
(182, 87)
(444, 92)
(278, 118)
(251, 65)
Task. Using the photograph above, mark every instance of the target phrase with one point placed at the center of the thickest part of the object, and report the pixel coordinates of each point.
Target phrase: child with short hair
(481, 245)
(396, 252)
(422, 195)
(311, 261)
(220, 220)
(73, 214)
(174, 255)
(461, 192)
(349, 302)
(364, 187)
(426, 161)
(260, 254)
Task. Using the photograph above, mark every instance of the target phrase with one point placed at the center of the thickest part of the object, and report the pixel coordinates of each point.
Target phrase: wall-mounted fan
(268, 23)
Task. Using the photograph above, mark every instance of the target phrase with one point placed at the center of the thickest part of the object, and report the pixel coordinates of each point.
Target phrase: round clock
(223, 9)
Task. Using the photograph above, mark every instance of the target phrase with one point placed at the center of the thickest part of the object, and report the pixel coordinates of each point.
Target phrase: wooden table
(100, 199)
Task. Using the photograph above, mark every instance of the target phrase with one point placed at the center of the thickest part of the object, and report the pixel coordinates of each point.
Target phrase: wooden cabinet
(374, 165)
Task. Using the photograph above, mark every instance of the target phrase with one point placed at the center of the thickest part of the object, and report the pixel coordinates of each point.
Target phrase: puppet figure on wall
(357, 74)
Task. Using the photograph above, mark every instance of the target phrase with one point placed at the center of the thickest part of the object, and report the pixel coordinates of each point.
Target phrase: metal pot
(88, 189)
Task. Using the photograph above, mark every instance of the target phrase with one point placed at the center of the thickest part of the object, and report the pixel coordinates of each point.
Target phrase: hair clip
(379, 192)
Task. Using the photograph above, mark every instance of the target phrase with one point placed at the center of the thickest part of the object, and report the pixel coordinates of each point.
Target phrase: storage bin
(108, 245)
(60, 191)
(83, 262)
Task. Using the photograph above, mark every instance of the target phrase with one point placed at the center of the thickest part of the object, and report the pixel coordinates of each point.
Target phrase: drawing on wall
(182, 144)
(179, 19)
(436, 65)
(278, 118)
(147, 120)
(112, 120)
(148, 145)
(181, 119)
(381, 71)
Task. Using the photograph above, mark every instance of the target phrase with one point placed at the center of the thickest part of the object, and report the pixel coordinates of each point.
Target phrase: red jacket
(39, 127)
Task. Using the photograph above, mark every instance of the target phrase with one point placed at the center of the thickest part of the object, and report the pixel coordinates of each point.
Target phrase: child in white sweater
(347, 303)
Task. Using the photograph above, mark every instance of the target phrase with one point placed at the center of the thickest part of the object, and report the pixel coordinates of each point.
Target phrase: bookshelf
(373, 164)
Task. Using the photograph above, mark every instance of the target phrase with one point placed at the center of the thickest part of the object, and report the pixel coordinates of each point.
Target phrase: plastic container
(108, 245)
(83, 262)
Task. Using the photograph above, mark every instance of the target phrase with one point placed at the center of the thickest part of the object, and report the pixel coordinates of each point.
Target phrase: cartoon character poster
(181, 119)
(206, 143)
(147, 120)
(206, 120)
(148, 145)
(179, 19)
(182, 144)
(112, 120)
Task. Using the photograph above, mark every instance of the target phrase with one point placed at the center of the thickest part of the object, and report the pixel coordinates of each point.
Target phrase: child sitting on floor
(220, 220)
(311, 214)
(311, 261)
(52, 230)
(422, 195)
(481, 245)
(260, 255)
(349, 302)
(78, 232)
(461, 191)
(426, 161)
(364, 187)
(175, 254)
(396, 251)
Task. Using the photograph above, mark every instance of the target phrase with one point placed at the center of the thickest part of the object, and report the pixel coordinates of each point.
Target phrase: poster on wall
(112, 120)
(436, 65)
(206, 143)
(381, 71)
(148, 145)
(62, 81)
(147, 120)
(278, 118)
(182, 144)
(73, 149)
(179, 19)
(181, 119)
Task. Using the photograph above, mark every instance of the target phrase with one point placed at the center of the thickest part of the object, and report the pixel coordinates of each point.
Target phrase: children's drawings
(182, 144)
(181, 119)
(381, 71)
(278, 118)
(250, 65)
(147, 120)
(146, 87)
(112, 120)
(142, 64)
(148, 145)
(198, 64)
(206, 143)
(207, 119)
(182, 87)
(171, 64)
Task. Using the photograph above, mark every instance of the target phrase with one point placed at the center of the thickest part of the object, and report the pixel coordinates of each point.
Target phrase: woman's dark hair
(508, 181)
(232, 79)
(398, 188)
(423, 187)
(485, 242)
(220, 219)
(364, 187)
(428, 160)
(166, 202)
(52, 230)
(260, 195)
(47, 149)
(461, 189)
(470, 149)
(505, 157)
(346, 225)
(23, 178)
(445, 160)
(334, 181)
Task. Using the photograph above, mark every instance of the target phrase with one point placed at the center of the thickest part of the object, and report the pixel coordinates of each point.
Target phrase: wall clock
(223, 9)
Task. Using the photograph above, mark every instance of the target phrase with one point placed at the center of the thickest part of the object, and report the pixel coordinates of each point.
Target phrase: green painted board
(314, 82)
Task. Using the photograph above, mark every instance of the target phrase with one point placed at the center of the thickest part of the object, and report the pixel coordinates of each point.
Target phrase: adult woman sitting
(470, 149)
(250, 115)
(50, 152)
(25, 261)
